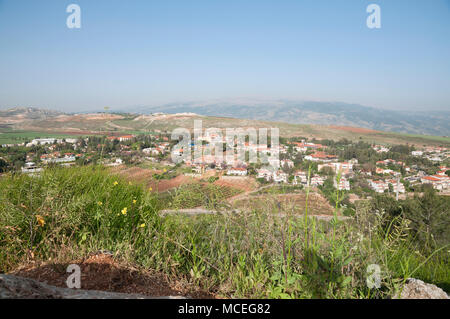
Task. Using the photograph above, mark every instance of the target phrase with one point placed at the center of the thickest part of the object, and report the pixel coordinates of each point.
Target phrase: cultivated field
(292, 204)
(102, 123)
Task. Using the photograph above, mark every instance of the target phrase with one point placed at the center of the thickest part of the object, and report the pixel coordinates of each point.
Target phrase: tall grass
(67, 213)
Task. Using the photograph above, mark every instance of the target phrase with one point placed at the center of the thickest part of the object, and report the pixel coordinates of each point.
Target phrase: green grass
(252, 255)
(419, 138)
(279, 189)
(209, 196)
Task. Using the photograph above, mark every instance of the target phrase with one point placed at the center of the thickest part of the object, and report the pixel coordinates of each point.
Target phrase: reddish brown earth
(166, 184)
(103, 272)
(245, 185)
(135, 174)
(142, 175)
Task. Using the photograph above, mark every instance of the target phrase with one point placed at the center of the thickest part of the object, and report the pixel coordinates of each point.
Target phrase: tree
(430, 218)
(328, 171)
(3, 165)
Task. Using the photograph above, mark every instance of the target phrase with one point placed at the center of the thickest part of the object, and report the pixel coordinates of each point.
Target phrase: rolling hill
(322, 113)
(20, 121)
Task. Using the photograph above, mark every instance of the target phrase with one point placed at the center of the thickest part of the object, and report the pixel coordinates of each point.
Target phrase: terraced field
(182, 191)
(289, 203)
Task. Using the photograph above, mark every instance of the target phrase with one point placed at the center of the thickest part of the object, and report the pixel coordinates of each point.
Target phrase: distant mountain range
(293, 112)
(28, 119)
(310, 112)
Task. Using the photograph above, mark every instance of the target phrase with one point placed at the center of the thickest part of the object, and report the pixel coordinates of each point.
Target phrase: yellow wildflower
(150, 189)
(142, 225)
(130, 183)
(40, 220)
(164, 170)
(134, 201)
(100, 203)
(124, 211)
(116, 183)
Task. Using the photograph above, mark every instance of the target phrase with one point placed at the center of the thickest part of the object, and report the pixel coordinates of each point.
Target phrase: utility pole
(398, 184)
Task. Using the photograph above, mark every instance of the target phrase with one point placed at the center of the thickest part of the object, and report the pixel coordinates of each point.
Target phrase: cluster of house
(275, 175)
(57, 157)
(48, 141)
(344, 167)
(384, 170)
(160, 149)
(380, 186)
(301, 178)
(275, 171)
(67, 159)
(439, 181)
(320, 157)
(380, 148)
(122, 138)
(43, 141)
(303, 146)
(434, 154)
(229, 161)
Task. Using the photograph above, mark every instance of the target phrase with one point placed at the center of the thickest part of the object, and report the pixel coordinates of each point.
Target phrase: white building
(300, 177)
(280, 177)
(378, 186)
(317, 180)
(42, 141)
(237, 171)
(344, 184)
(344, 168)
(401, 187)
(264, 173)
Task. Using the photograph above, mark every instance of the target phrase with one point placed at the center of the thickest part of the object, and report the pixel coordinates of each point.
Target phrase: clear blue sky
(151, 52)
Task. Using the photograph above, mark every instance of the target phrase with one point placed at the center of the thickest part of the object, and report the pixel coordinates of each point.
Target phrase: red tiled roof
(431, 178)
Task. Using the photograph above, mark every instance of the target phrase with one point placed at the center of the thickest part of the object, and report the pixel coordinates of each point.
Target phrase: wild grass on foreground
(65, 214)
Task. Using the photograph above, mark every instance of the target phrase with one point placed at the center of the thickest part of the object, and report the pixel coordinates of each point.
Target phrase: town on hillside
(357, 169)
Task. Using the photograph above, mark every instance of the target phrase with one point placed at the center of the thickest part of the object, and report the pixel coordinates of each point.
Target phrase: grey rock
(417, 289)
(14, 287)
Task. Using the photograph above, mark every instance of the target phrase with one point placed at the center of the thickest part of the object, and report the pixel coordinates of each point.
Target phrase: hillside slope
(322, 113)
(36, 120)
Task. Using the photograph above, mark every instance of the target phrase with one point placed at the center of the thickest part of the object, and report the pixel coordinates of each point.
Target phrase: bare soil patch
(245, 185)
(166, 184)
(102, 272)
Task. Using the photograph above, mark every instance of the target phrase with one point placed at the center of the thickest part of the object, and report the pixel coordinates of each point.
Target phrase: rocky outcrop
(14, 287)
(417, 289)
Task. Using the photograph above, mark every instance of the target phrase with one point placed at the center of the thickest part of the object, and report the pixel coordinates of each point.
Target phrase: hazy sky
(151, 52)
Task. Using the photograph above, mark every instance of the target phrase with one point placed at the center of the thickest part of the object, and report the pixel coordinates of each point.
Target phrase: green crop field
(16, 137)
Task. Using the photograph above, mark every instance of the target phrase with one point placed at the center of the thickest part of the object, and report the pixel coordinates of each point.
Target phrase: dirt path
(202, 211)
